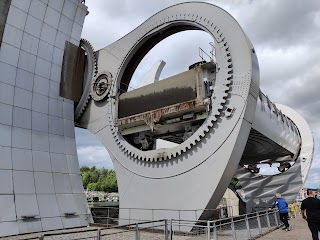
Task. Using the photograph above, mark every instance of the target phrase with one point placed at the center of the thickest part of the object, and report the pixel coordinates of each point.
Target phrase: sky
(285, 35)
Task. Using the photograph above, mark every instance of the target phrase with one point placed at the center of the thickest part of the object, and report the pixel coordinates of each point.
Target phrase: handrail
(164, 209)
(263, 221)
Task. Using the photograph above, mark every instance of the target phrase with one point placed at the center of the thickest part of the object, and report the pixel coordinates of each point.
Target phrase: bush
(95, 179)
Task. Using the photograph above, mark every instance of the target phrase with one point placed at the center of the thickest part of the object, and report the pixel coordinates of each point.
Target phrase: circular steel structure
(241, 127)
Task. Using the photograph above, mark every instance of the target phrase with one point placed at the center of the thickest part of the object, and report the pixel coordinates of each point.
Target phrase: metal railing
(247, 226)
(110, 215)
(153, 230)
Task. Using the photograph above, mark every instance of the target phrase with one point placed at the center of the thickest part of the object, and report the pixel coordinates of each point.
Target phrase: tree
(235, 183)
(86, 179)
(99, 179)
(112, 180)
(94, 176)
(103, 172)
(92, 187)
(84, 169)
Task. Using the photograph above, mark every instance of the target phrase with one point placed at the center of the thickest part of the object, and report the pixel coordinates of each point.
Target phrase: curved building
(40, 182)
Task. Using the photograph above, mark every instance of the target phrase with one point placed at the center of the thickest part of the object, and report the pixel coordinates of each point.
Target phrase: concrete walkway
(300, 230)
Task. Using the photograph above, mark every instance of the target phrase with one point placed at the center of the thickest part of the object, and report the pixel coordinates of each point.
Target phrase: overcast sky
(284, 33)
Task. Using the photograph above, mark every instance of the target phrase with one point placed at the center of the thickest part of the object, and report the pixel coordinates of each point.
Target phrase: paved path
(299, 231)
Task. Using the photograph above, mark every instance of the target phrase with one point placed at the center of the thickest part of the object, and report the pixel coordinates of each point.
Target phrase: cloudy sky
(284, 33)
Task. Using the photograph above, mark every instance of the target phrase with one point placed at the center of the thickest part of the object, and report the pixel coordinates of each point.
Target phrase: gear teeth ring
(92, 60)
(219, 100)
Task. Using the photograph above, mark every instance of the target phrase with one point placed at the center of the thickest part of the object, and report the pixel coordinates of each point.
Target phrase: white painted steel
(259, 191)
(204, 164)
(153, 74)
(269, 124)
(307, 142)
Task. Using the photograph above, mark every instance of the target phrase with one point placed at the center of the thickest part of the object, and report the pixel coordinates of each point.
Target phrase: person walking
(283, 211)
(310, 211)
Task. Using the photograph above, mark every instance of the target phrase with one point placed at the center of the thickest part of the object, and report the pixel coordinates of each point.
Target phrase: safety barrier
(248, 226)
(110, 215)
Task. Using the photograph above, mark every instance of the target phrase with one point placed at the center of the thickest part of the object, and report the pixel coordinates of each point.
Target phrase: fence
(110, 215)
(248, 226)
(151, 230)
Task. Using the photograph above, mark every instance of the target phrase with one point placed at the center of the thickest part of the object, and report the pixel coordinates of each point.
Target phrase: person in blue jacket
(283, 211)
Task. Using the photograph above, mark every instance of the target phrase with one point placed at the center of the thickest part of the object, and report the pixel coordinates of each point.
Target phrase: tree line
(94, 179)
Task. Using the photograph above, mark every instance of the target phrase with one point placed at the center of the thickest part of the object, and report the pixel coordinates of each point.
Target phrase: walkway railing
(110, 215)
(248, 226)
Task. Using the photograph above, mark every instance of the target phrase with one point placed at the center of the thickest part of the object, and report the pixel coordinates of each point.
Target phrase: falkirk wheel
(215, 113)
(221, 122)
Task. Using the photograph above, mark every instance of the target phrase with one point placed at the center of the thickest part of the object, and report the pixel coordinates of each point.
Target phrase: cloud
(313, 180)
(284, 34)
(280, 23)
(94, 156)
(91, 152)
(186, 52)
(86, 138)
